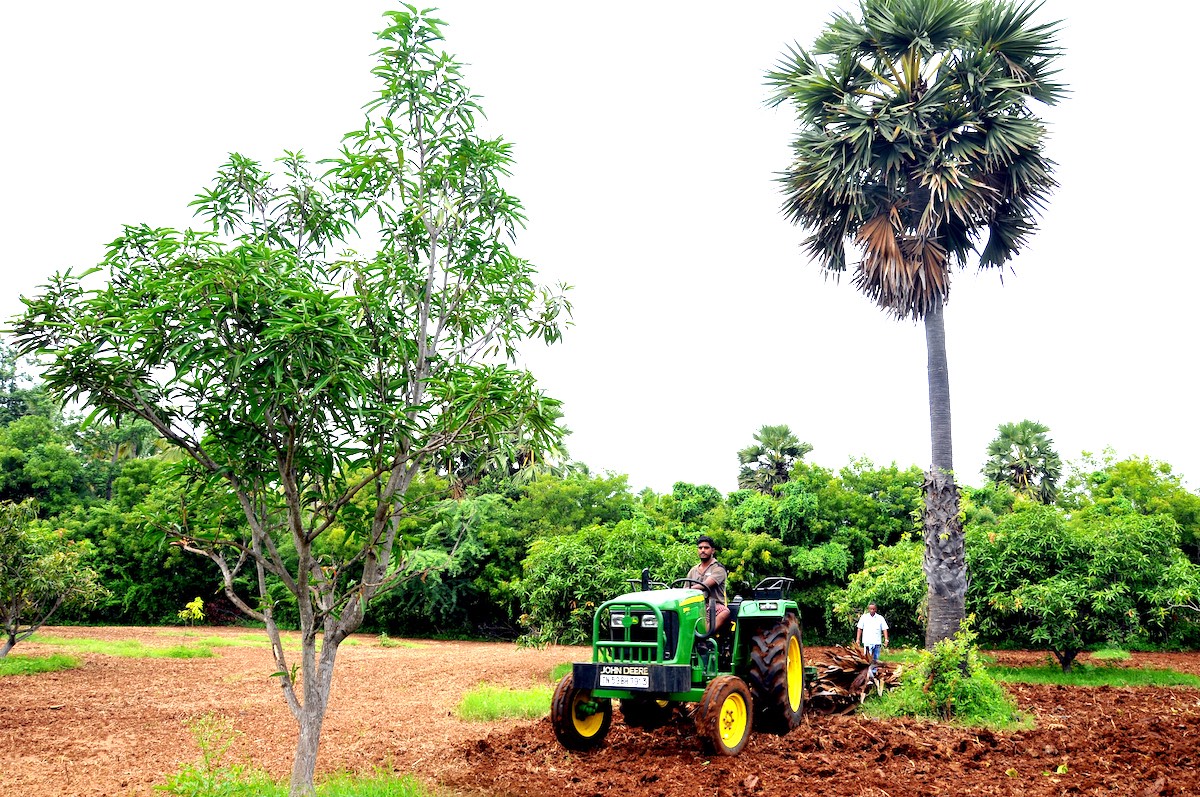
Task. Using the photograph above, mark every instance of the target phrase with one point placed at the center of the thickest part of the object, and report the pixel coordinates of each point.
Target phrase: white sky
(645, 159)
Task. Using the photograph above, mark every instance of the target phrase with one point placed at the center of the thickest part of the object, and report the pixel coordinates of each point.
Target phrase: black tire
(777, 676)
(724, 716)
(580, 721)
(642, 712)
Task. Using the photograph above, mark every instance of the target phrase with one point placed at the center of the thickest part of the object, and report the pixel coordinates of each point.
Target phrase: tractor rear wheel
(724, 715)
(643, 712)
(580, 721)
(777, 675)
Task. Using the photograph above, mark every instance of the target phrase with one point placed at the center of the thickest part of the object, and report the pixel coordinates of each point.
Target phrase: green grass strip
(378, 785)
(485, 703)
(128, 648)
(1083, 675)
(32, 665)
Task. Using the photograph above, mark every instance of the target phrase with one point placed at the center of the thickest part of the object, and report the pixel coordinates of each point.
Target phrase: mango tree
(1068, 583)
(299, 376)
(40, 572)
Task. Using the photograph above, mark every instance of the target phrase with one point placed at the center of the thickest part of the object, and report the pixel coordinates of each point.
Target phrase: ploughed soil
(119, 726)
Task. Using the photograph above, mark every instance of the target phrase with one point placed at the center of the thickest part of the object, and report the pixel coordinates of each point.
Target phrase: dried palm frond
(845, 677)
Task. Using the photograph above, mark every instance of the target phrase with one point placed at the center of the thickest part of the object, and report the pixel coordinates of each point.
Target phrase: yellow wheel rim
(733, 721)
(587, 725)
(795, 674)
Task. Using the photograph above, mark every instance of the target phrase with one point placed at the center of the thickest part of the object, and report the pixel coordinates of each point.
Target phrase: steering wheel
(692, 583)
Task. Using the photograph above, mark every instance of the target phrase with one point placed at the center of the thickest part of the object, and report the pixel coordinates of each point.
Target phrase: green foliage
(550, 505)
(1044, 579)
(32, 665)
(755, 513)
(487, 703)
(461, 546)
(147, 577)
(767, 462)
(19, 395)
(693, 501)
(951, 683)
(36, 461)
(192, 612)
(1022, 457)
(213, 775)
(40, 571)
(893, 579)
(567, 576)
(1139, 485)
(984, 505)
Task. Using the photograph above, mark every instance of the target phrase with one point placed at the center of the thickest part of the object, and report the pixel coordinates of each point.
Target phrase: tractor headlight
(616, 620)
(649, 621)
(768, 606)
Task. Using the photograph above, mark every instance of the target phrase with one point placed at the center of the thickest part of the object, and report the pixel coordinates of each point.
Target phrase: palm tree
(1021, 456)
(768, 462)
(917, 144)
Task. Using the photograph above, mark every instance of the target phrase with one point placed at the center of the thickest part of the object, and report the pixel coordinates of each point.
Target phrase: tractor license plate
(625, 681)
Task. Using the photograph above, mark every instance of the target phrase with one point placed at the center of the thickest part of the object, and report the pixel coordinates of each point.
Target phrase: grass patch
(905, 656)
(214, 775)
(1110, 654)
(32, 665)
(559, 671)
(1084, 675)
(485, 703)
(128, 648)
(385, 641)
(378, 785)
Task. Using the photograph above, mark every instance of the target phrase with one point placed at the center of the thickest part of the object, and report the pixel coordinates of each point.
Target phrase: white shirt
(872, 626)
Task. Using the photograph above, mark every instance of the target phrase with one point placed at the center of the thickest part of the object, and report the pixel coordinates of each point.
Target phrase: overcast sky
(646, 158)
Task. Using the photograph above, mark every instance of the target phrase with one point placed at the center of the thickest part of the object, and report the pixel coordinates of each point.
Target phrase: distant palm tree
(917, 143)
(1022, 457)
(768, 462)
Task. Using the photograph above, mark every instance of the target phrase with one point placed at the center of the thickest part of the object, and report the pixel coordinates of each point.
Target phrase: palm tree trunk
(939, 390)
(945, 555)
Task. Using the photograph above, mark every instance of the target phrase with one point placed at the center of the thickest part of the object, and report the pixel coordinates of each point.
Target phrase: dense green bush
(567, 576)
(951, 683)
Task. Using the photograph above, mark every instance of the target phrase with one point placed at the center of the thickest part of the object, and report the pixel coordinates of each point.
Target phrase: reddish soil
(117, 726)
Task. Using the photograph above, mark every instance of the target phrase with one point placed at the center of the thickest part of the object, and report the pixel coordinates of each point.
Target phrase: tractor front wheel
(777, 675)
(724, 716)
(580, 721)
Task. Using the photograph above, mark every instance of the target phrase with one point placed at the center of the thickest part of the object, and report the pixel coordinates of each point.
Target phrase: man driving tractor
(712, 574)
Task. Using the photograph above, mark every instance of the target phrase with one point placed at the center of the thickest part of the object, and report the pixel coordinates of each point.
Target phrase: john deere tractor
(653, 651)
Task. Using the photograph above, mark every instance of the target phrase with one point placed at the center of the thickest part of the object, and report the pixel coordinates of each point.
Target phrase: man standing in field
(872, 632)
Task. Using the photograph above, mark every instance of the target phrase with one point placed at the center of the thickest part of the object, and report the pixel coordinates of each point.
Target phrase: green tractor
(652, 650)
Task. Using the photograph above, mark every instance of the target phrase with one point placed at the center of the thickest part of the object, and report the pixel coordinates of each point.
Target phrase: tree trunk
(939, 390)
(945, 556)
(317, 679)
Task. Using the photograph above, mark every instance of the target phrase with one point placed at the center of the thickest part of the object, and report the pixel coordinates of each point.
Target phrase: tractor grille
(636, 640)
